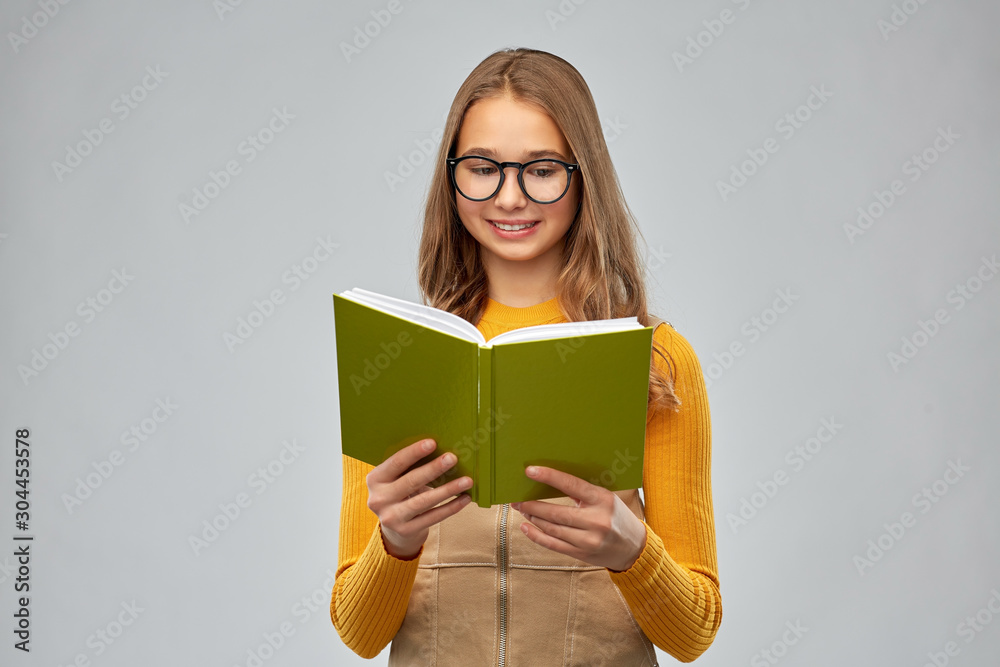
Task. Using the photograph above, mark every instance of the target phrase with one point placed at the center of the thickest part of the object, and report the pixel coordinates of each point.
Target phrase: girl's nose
(510, 196)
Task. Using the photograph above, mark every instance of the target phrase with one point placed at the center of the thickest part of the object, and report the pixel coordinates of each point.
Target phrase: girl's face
(511, 131)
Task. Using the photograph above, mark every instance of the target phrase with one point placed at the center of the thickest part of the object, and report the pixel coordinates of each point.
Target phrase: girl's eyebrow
(528, 156)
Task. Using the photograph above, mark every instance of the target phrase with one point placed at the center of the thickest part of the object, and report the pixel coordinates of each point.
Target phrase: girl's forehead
(506, 125)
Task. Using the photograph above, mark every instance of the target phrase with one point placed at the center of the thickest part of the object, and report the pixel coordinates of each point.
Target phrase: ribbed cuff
(378, 593)
(415, 557)
(669, 606)
(645, 566)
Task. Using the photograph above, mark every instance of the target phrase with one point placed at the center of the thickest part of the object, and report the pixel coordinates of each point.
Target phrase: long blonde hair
(602, 276)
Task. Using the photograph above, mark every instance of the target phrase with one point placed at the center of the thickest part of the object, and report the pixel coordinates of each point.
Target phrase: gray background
(674, 133)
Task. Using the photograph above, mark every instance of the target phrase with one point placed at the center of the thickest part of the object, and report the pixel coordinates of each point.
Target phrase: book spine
(484, 434)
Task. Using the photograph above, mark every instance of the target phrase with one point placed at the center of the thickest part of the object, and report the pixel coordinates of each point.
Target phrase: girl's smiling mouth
(510, 229)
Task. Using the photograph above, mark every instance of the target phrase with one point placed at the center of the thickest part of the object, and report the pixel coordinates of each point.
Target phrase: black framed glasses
(479, 178)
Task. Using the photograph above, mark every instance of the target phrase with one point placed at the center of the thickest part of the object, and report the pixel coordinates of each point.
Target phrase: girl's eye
(542, 171)
(479, 167)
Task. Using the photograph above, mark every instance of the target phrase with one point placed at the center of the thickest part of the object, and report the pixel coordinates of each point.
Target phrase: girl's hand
(600, 529)
(405, 504)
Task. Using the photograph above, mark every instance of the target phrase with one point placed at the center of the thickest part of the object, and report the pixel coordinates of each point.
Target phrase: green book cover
(571, 395)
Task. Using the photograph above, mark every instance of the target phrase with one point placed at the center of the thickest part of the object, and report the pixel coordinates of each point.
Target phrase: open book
(571, 396)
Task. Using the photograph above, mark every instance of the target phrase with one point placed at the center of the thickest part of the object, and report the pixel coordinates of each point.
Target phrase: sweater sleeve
(372, 587)
(673, 587)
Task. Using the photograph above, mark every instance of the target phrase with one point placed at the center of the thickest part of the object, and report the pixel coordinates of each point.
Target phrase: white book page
(433, 318)
(452, 324)
(565, 330)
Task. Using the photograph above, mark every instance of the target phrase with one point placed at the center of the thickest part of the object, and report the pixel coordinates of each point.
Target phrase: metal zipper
(503, 584)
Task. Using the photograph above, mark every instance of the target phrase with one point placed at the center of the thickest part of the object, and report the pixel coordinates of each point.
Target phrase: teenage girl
(526, 224)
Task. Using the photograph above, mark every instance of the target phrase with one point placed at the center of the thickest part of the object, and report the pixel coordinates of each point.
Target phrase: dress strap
(655, 321)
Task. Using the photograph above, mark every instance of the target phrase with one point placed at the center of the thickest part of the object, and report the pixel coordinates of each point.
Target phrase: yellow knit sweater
(673, 587)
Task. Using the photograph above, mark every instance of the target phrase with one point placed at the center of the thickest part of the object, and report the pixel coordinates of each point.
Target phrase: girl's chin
(513, 252)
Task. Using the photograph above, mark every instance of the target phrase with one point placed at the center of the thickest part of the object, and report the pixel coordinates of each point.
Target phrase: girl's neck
(522, 283)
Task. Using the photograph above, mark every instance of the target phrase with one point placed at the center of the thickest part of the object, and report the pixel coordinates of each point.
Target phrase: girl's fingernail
(532, 471)
(428, 445)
